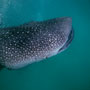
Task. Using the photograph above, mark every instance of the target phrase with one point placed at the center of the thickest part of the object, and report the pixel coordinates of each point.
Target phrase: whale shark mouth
(70, 38)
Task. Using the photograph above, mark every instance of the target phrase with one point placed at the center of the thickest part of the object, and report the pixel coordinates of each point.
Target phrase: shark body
(34, 41)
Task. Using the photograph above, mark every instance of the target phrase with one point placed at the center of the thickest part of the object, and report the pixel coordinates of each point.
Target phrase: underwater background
(69, 70)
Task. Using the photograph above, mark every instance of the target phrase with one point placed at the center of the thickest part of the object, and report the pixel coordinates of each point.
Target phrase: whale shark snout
(68, 42)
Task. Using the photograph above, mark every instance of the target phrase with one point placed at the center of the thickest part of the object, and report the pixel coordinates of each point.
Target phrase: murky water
(69, 70)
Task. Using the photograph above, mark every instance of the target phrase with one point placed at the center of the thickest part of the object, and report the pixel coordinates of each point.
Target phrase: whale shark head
(66, 32)
(34, 41)
(62, 32)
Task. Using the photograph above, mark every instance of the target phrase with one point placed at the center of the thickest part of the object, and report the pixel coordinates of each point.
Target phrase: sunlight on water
(3, 9)
(10, 9)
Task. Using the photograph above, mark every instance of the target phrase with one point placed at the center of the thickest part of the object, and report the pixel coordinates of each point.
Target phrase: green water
(69, 70)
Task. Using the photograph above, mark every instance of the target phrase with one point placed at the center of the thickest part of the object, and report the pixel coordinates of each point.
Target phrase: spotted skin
(32, 42)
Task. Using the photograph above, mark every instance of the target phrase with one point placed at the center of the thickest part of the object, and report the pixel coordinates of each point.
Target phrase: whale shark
(34, 41)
